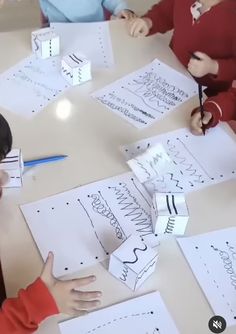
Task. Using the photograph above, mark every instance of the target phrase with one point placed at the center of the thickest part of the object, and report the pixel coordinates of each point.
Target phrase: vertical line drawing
(168, 204)
(173, 203)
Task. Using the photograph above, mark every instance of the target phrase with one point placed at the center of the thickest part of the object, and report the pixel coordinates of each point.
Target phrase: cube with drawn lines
(76, 68)
(133, 262)
(170, 213)
(45, 43)
(13, 166)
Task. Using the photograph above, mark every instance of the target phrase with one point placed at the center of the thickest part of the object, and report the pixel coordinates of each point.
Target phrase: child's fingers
(196, 124)
(77, 313)
(86, 305)
(207, 117)
(87, 296)
(78, 282)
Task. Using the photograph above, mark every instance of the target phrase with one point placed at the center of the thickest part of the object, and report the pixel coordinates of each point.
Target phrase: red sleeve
(162, 16)
(23, 314)
(222, 106)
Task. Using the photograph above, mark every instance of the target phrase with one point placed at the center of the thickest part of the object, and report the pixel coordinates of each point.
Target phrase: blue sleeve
(51, 12)
(115, 6)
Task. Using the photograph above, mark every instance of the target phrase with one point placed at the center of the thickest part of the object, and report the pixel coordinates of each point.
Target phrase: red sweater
(222, 107)
(214, 33)
(22, 315)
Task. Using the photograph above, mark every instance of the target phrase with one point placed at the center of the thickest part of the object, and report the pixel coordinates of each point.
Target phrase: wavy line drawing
(149, 176)
(116, 320)
(133, 210)
(124, 274)
(170, 225)
(36, 44)
(135, 254)
(103, 209)
(90, 219)
(232, 250)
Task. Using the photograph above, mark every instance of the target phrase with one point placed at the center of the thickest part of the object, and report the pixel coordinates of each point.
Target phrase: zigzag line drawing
(136, 256)
(128, 203)
(143, 168)
(175, 180)
(182, 161)
(232, 250)
(124, 274)
(104, 210)
(170, 225)
(116, 320)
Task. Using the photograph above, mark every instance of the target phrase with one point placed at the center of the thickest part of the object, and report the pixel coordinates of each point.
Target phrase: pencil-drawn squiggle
(232, 250)
(149, 176)
(182, 161)
(175, 180)
(100, 206)
(140, 192)
(146, 270)
(124, 274)
(170, 225)
(135, 254)
(132, 209)
(36, 43)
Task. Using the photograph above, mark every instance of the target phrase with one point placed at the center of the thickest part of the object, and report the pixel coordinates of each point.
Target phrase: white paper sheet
(29, 86)
(84, 225)
(143, 315)
(148, 94)
(212, 258)
(13, 165)
(92, 39)
(198, 161)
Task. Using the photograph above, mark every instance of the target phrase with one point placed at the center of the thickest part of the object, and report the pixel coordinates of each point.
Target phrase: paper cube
(150, 164)
(45, 43)
(13, 165)
(76, 68)
(170, 213)
(133, 262)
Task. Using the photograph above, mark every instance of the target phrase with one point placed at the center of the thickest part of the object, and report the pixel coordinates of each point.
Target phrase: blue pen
(46, 160)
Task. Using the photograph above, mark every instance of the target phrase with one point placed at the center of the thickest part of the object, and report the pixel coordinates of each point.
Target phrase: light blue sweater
(79, 10)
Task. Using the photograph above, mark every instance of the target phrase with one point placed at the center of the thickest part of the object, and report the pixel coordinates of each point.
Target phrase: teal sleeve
(115, 6)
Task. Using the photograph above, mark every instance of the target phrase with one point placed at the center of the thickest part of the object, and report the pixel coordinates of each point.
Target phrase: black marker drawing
(131, 209)
(135, 251)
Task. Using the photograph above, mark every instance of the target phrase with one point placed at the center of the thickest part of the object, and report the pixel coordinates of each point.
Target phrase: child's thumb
(48, 266)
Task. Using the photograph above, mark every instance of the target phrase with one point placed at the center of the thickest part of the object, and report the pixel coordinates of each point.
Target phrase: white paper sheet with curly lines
(90, 222)
(29, 86)
(148, 94)
(197, 161)
(212, 258)
(143, 315)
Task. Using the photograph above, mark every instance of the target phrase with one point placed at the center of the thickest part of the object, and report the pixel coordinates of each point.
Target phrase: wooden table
(90, 133)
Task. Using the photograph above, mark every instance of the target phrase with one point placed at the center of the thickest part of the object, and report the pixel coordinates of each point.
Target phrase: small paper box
(13, 165)
(150, 164)
(76, 69)
(45, 43)
(133, 262)
(170, 213)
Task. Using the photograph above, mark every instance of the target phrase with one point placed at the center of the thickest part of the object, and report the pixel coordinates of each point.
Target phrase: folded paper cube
(169, 213)
(45, 43)
(76, 69)
(13, 165)
(150, 164)
(133, 262)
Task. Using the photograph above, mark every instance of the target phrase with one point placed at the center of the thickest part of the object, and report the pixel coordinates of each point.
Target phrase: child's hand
(206, 65)
(139, 27)
(68, 298)
(126, 14)
(196, 122)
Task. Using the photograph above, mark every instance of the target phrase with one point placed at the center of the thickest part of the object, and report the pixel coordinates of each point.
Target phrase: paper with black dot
(147, 95)
(84, 225)
(142, 315)
(197, 161)
(212, 258)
